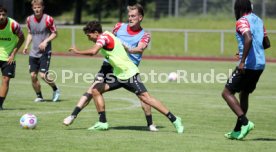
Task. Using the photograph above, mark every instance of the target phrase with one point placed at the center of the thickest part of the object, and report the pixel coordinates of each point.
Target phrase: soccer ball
(172, 76)
(28, 121)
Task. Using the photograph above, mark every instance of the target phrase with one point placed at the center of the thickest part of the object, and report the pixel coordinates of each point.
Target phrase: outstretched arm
(92, 51)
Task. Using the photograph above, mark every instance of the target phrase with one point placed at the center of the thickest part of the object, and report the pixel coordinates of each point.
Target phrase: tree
(78, 10)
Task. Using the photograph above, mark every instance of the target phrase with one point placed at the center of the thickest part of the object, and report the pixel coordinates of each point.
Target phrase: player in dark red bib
(41, 31)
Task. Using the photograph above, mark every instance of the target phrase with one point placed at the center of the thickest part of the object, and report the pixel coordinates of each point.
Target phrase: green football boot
(99, 126)
(232, 135)
(245, 130)
(178, 125)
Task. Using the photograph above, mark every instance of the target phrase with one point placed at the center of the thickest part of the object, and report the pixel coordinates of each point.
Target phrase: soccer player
(11, 39)
(136, 40)
(41, 31)
(252, 40)
(126, 75)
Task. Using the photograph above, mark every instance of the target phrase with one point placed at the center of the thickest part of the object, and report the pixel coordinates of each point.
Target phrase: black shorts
(41, 64)
(105, 72)
(133, 84)
(246, 81)
(8, 70)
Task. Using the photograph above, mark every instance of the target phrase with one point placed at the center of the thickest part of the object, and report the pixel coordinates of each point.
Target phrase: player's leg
(97, 92)
(234, 84)
(4, 90)
(44, 74)
(87, 96)
(147, 110)
(8, 72)
(56, 92)
(251, 78)
(232, 101)
(33, 69)
(136, 86)
(244, 95)
(82, 103)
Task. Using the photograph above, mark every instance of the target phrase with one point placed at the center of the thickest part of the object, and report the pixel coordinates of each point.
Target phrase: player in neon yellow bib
(124, 68)
(126, 75)
(11, 39)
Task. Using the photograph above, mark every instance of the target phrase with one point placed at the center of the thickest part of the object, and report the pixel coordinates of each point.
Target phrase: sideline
(188, 58)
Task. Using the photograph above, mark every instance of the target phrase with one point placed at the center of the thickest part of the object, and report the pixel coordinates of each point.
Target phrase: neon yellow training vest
(8, 41)
(123, 67)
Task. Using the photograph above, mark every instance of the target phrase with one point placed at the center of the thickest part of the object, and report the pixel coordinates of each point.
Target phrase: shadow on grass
(137, 128)
(50, 100)
(263, 139)
(140, 128)
(80, 128)
(5, 109)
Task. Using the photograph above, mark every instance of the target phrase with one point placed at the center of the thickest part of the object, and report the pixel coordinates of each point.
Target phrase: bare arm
(28, 41)
(17, 47)
(44, 44)
(266, 42)
(138, 50)
(92, 51)
(247, 45)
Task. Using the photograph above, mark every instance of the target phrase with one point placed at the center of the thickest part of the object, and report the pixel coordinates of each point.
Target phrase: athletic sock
(102, 117)
(2, 101)
(149, 119)
(76, 111)
(238, 126)
(39, 95)
(171, 116)
(243, 120)
(54, 88)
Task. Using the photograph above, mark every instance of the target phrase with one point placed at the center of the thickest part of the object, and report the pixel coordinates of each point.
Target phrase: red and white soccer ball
(28, 121)
(172, 76)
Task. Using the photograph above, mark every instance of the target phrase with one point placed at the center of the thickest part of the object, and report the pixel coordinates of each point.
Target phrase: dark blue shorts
(134, 84)
(246, 81)
(41, 64)
(8, 70)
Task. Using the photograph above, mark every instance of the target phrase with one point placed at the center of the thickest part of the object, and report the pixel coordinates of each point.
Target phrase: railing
(184, 31)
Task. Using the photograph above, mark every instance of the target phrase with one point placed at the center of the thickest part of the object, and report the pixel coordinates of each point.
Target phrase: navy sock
(54, 88)
(171, 116)
(76, 111)
(102, 117)
(2, 101)
(238, 126)
(39, 95)
(243, 120)
(149, 119)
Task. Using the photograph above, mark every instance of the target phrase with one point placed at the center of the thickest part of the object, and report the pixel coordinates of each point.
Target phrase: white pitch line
(134, 105)
(155, 90)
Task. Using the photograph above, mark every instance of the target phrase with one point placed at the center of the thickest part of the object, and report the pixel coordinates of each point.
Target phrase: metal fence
(178, 8)
(186, 33)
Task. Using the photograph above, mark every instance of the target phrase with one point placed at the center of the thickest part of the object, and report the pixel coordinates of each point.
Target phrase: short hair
(241, 7)
(37, 2)
(137, 6)
(3, 9)
(92, 27)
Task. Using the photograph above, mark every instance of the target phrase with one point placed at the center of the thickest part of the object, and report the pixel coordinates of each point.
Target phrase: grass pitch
(205, 115)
